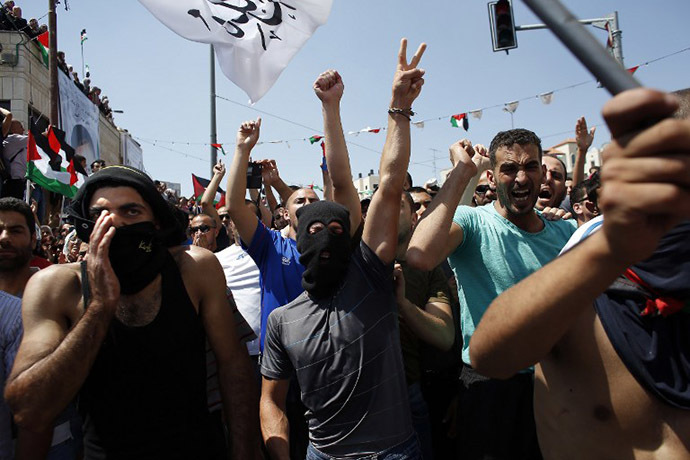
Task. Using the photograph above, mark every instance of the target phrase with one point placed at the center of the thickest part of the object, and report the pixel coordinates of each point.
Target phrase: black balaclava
(322, 275)
(137, 252)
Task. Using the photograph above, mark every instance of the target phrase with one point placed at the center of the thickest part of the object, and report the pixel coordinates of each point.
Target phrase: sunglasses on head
(481, 189)
(203, 228)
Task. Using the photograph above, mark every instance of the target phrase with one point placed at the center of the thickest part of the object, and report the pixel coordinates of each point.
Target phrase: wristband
(407, 113)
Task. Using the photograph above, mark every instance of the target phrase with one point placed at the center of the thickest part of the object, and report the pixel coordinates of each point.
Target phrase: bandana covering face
(325, 255)
(136, 255)
(138, 251)
(655, 346)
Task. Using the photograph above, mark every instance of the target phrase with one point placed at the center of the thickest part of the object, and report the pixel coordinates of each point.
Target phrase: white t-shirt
(242, 278)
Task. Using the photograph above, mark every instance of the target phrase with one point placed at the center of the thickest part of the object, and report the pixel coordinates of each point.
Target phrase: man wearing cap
(126, 331)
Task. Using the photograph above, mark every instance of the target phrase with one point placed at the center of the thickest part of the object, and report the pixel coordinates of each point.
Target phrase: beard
(512, 205)
(11, 262)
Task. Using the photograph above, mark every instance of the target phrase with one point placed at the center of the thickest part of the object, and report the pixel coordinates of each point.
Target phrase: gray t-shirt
(345, 351)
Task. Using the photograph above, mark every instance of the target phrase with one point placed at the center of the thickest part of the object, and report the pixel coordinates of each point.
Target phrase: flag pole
(83, 75)
(28, 192)
(214, 134)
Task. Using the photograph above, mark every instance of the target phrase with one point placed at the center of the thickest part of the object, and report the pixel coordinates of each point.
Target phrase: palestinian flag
(83, 36)
(43, 44)
(44, 163)
(315, 139)
(371, 130)
(219, 147)
(200, 185)
(455, 120)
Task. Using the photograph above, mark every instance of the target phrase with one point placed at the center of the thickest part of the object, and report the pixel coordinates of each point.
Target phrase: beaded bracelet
(407, 113)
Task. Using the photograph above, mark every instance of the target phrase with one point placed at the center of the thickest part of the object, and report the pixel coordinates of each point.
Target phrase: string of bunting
(456, 120)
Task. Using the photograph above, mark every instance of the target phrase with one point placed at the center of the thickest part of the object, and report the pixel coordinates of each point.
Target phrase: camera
(254, 175)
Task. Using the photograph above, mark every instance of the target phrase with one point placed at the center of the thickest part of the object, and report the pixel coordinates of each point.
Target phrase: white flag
(254, 39)
(419, 124)
(476, 114)
(546, 97)
(511, 106)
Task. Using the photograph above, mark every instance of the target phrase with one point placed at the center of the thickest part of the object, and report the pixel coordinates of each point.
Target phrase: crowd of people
(506, 314)
(11, 20)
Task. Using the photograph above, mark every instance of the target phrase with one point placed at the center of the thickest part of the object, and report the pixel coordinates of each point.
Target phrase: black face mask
(137, 256)
(323, 275)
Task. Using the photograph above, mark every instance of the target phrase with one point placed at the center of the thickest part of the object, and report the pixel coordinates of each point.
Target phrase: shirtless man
(129, 338)
(598, 390)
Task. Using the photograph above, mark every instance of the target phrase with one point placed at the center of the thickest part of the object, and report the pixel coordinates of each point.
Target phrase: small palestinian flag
(219, 147)
(315, 139)
(43, 44)
(83, 36)
(371, 130)
(460, 118)
(200, 185)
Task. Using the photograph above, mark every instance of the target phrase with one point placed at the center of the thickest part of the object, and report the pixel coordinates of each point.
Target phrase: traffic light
(503, 36)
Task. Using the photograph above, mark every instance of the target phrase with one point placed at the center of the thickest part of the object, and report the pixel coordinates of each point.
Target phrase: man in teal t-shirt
(491, 248)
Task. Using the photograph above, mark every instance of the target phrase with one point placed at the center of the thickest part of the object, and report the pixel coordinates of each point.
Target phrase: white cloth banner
(511, 106)
(254, 39)
(79, 120)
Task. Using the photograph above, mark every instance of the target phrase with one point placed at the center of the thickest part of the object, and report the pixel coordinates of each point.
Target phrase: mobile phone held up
(254, 175)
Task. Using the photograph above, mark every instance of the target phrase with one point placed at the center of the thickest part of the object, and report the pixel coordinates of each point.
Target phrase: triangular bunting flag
(419, 124)
(371, 130)
(460, 117)
(632, 70)
(315, 139)
(219, 147)
(511, 106)
(546, 97)
(477, 114)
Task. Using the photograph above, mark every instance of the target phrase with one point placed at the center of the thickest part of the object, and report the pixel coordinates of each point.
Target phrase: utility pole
(214, 134)
(435, 151)
(52, 62)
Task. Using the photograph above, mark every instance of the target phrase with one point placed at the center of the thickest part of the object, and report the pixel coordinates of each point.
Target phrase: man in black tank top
(126, 332)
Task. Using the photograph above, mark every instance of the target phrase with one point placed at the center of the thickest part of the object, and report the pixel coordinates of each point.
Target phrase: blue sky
(161, 82)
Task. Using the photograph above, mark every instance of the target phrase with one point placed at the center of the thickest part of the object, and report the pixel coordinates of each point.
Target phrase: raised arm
(645, 193)
(6, 122)
(426, 250)
(381, 226)
(52, 363)
(245, 221)
(329, 89)
(210, 193)
(584, 140)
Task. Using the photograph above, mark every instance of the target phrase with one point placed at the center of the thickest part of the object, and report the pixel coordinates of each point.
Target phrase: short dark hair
(508, 138)
(587, 189)
(98, 162)
(565, 170)
(17, 205)
(417, 190)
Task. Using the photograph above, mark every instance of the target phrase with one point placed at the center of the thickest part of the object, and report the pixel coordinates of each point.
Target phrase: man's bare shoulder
(192, 258)
(54, 290)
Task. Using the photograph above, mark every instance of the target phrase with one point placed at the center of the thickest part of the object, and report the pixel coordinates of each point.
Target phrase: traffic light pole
(609, 23)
